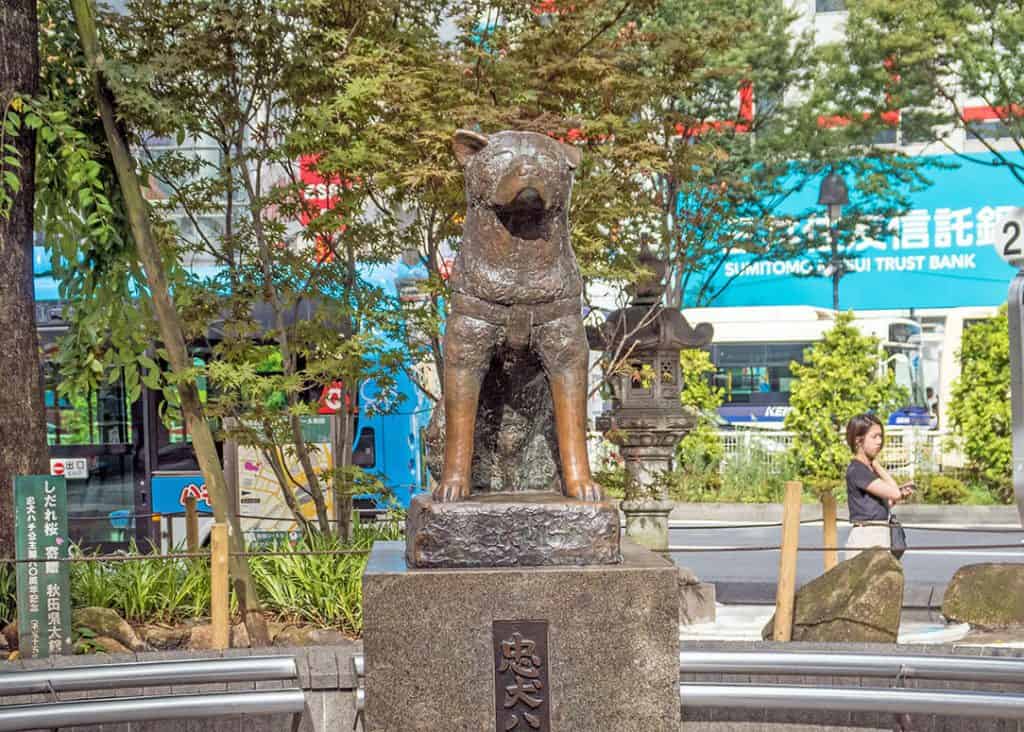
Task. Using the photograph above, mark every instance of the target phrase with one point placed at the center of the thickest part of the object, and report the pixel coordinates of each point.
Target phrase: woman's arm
(884, 486)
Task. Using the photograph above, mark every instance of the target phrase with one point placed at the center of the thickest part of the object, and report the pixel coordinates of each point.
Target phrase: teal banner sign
(939, 254)
(44, 590)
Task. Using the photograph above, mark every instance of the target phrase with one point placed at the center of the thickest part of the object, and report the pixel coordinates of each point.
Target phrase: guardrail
(843, 699)
(875, 665)
(788, 697)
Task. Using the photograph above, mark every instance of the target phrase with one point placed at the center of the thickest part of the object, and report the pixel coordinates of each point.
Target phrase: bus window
(96, 418)
(755, 373)
(365, 453)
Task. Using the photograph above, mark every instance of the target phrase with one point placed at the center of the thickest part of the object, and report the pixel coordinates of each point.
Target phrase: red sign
(57, 467)
(331, 401)
(198, 492)
(319, 194)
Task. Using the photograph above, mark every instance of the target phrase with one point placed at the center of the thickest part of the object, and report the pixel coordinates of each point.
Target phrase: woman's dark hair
(858, 426)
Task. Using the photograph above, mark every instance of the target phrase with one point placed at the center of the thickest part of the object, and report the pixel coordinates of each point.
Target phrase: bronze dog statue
(516, 285)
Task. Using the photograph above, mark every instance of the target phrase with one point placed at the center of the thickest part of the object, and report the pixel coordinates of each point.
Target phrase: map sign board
(44, 592)
(260, 492)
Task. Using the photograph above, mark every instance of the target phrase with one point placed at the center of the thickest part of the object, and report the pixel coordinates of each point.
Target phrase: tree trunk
(171, 331)
(22, 417)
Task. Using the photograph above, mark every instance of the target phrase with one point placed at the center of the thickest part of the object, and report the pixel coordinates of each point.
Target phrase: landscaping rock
(989, 595)
(201, 638)
(307, 635)
(106, 622)
(10, 634)
(162, 637)
(109, 645)
(696, 599)
(858, 601)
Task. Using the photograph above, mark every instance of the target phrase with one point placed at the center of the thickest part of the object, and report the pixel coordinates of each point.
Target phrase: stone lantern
(646, 420)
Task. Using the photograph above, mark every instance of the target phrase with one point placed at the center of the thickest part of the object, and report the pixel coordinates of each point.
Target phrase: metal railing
(874, 665)
(788, 697)
(907, 450)
(898, 668)
(844, 699)
(55, 713)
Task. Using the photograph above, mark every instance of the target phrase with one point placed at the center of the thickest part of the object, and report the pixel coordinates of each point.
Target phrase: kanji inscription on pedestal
(522, 697)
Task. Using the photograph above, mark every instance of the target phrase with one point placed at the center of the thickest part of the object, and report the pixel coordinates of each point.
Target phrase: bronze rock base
(525, 529)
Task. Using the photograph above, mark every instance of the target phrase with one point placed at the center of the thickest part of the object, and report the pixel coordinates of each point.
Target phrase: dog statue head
(524, 178)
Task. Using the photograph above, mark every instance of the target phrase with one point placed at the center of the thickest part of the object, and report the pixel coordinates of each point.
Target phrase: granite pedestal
(557, 648)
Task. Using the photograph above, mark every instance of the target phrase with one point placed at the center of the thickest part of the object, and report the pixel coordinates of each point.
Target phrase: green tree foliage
(650, 92)
(216, 98)
(931, 58)
(838, 379)
(699, 454)
(979, 409)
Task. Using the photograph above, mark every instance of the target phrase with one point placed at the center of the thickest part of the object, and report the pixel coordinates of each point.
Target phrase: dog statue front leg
(461, 395)
(468, 346)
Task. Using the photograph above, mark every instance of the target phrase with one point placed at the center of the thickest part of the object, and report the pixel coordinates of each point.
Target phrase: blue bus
(130, 465)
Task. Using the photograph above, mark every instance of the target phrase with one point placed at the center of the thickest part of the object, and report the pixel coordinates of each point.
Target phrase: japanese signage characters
(522, 695)
(44, 599)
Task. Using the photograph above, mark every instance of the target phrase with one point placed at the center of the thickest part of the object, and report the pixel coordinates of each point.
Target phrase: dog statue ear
(573, 155)
(466, 144)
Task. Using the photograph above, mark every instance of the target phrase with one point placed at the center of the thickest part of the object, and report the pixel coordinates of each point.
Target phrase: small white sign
(1010, 235)
(70, 468)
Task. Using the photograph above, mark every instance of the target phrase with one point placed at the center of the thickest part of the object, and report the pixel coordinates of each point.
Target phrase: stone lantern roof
(642, 329)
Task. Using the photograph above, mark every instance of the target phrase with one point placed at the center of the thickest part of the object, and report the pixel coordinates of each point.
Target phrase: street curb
(908, 514)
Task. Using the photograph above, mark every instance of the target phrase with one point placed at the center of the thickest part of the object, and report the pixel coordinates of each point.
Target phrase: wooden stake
(830, 534)
(219, 586)
(786, 592)
(191, 524)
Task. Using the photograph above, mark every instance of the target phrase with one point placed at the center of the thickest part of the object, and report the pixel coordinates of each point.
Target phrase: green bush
(838, 379)
(8, 594)
(940, 489)
(753, 475)
(699, 454)
(979, 409)
(146, 590)
(611, 473)
(324, 589)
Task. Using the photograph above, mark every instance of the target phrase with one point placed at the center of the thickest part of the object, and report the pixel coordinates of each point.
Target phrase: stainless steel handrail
(142, 709)
(148, 673)
(877, 665)
(846, 699)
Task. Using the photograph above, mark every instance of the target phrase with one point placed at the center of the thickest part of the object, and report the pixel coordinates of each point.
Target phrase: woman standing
(870, 490)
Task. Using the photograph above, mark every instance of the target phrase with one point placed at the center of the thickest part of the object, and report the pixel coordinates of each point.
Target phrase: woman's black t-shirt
(863, 505)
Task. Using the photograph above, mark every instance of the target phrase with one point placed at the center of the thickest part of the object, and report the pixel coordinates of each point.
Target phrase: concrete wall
(325, 674)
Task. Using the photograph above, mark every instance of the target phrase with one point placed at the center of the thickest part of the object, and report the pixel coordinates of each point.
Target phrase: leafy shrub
(941, 489)
(753, 475)
(323, 589)
(979, 408)
(838, 379)
(699, 454)
(8, 594)
(144, 590)
(610, 473)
